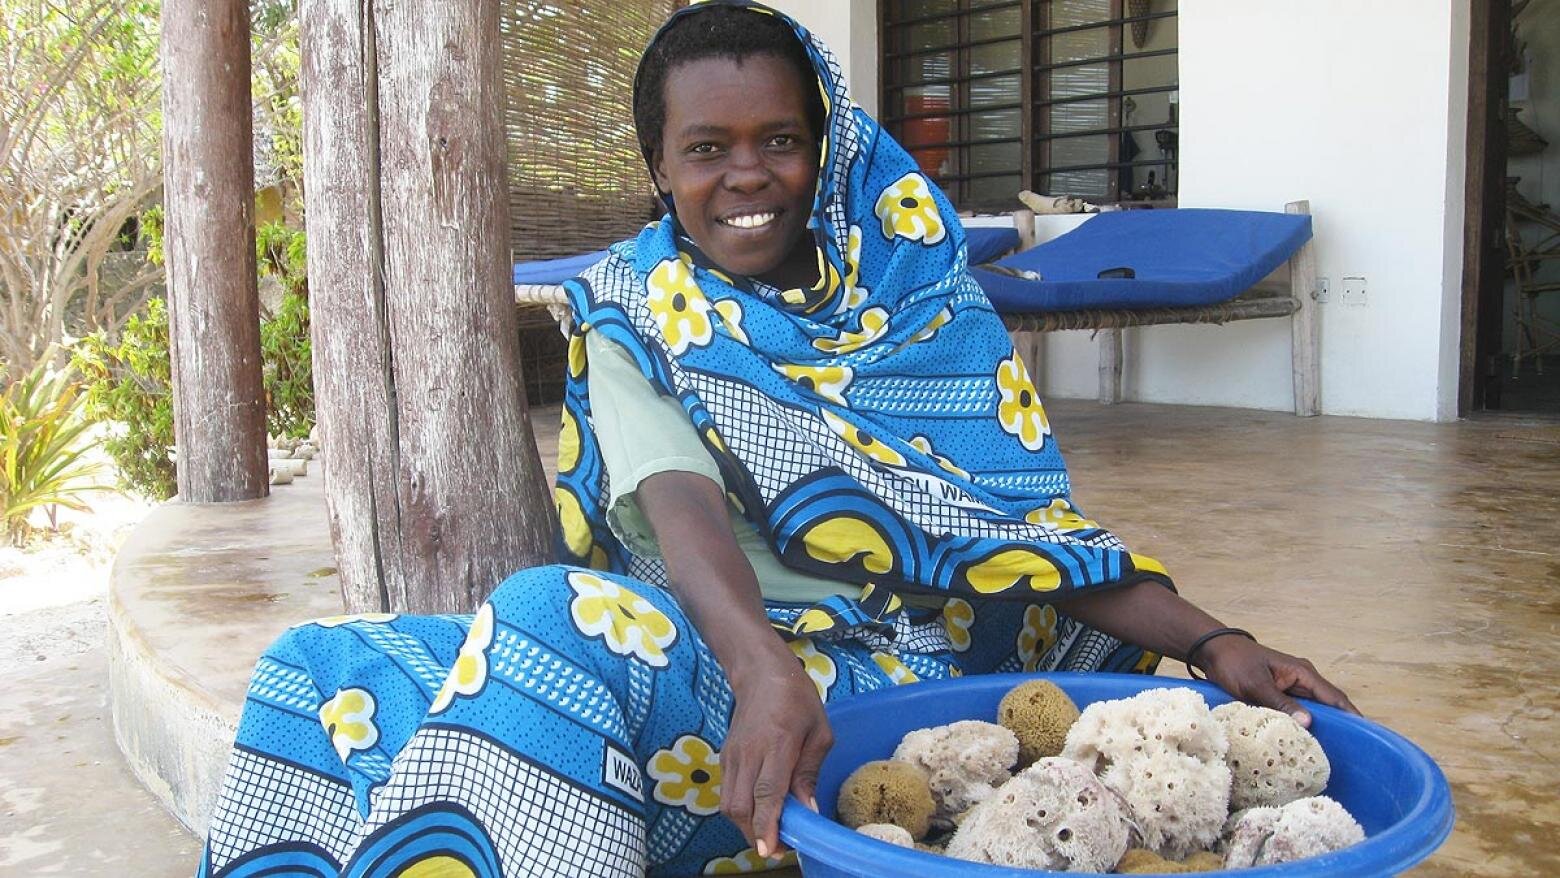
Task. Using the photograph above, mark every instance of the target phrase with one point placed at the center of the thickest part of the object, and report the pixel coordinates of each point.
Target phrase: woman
(799, 438)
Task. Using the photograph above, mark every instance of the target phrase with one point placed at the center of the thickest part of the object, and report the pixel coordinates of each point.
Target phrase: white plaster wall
(1359, 107)
(849, 27)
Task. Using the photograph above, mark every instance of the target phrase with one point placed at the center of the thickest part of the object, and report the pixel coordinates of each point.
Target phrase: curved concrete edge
(196, 594)
(174, 736)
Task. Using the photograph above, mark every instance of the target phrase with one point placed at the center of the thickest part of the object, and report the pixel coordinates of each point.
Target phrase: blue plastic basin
(1391, 787)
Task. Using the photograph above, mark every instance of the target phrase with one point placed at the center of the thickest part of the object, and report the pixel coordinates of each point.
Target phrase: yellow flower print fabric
(470, 671)
(679, 306)
(747, 861)
(907, 210)
(626, 622)
(687, 775)
(957, 618)
(1037, 636)
(1019, 410)
(818, 665)
(348, 718)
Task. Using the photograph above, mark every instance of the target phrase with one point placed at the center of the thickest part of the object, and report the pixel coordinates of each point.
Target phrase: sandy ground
(67, 802)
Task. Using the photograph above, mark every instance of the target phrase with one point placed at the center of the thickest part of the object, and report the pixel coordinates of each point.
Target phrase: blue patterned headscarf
(878, 428)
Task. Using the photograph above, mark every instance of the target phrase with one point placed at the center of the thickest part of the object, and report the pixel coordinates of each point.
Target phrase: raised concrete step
(197, 593)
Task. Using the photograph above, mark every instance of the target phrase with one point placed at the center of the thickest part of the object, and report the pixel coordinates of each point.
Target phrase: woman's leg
(573, 728)
(1004, 636)
(329, 705)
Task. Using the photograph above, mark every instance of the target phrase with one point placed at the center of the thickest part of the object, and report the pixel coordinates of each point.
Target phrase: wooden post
(1306, 325)
(213, 306)
(1110, 366)
(435, 487)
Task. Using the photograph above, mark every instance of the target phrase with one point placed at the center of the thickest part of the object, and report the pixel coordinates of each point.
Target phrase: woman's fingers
(1307, 682)
(769, 789)
(736, 790)
(1267, 694)
(804, 778)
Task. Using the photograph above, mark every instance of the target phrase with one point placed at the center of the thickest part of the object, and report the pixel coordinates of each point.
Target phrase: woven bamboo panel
(576, 180)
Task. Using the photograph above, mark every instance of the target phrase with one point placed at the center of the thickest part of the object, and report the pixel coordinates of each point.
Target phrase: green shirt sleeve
(641, 432)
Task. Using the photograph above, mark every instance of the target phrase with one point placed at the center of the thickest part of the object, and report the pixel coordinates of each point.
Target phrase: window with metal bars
(1063, 97)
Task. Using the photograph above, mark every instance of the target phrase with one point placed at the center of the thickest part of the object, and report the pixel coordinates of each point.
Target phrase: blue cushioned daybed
(1148, 267)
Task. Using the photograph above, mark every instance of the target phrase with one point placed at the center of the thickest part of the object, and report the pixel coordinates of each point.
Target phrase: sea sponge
(1303, 828)
(1204, 861)
(1272, 758)
(1039, 714)
(1054, 815)
(965, 761)
(894, 835)
(1141, 861)
(1162, 751)
(887, 791)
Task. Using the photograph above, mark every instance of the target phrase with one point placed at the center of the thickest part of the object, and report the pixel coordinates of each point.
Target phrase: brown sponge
(1039, 713)
(887, 791)
(1141, 861)
(1204, 861)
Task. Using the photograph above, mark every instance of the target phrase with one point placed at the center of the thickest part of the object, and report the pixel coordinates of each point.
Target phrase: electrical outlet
(1354, 292)
(1323, 289)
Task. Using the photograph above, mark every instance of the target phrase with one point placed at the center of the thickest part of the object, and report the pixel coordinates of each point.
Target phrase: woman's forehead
(719, 91)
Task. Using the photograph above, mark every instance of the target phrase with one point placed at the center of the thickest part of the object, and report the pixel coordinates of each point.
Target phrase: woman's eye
(702, 148)
(783, 141)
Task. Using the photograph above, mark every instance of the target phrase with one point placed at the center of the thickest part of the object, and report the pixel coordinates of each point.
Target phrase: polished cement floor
(1417, 564)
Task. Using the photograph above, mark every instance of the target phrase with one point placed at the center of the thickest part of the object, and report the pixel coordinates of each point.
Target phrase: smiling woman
(795, 432)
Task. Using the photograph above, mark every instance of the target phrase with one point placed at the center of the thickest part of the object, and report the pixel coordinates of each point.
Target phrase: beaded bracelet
(1199, 642)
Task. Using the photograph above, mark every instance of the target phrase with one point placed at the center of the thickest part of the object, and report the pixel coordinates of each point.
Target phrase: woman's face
(740, 161)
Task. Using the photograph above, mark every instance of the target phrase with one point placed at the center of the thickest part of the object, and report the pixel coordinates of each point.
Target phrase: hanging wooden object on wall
(1136, 8)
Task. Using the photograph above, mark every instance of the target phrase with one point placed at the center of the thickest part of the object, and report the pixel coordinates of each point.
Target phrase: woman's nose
(746, 171)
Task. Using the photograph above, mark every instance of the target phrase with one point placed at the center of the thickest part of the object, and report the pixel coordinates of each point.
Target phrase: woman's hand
(777, 741)
(1263, 676)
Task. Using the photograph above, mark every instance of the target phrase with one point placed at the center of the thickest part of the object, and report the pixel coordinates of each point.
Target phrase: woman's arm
(1154, 617)
(779, 734)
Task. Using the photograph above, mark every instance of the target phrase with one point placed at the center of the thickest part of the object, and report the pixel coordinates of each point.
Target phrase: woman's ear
(662, 183)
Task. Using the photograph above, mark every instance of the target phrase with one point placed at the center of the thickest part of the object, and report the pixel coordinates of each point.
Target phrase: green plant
(285, 348)
(42, 465)
(130, 384)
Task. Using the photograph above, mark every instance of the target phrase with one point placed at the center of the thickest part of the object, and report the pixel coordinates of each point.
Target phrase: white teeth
(750, 221)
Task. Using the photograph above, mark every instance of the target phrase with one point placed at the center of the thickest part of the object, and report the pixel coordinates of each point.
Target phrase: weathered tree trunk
(209, 240)
(435, 487)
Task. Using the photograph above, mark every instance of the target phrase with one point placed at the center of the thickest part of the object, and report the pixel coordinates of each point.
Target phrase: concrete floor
(1416, 564)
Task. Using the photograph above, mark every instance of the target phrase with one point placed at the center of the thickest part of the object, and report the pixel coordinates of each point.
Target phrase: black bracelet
(1199, 642)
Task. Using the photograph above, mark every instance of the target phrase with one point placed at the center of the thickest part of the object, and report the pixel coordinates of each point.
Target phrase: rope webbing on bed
(1257, 303)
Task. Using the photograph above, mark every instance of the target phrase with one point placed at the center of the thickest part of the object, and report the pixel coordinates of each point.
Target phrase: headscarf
(878, 428)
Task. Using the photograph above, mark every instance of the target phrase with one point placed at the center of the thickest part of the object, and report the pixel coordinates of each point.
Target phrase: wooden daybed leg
(1033, 352)
(1305, 325)
(1110, 366)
